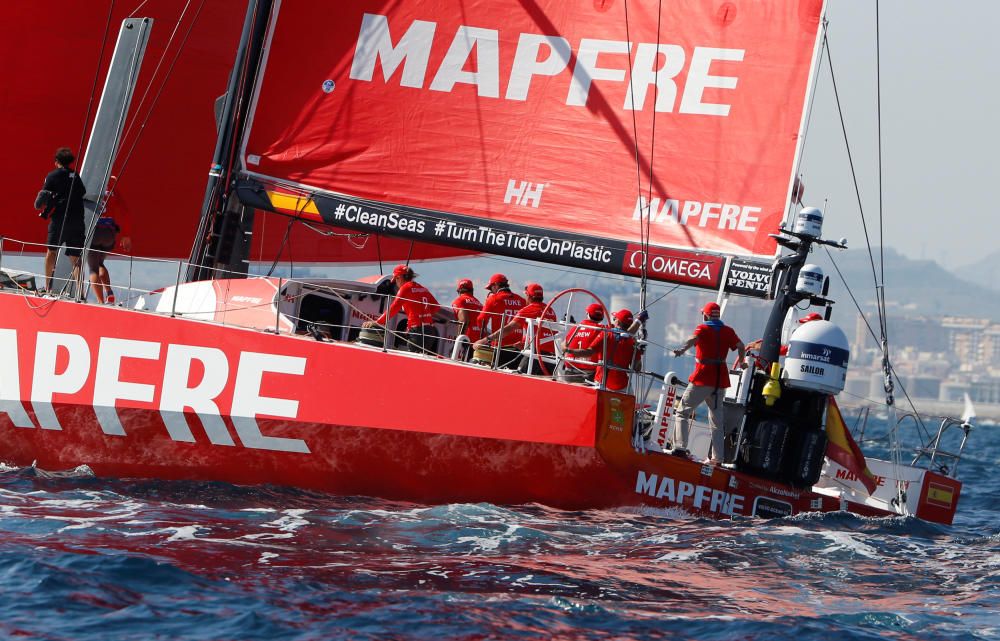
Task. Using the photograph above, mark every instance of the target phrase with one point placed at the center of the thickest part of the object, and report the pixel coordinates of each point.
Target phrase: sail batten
(553, 132)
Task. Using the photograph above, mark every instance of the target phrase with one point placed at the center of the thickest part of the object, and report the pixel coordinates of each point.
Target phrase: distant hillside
(985, 272)
(917, 286)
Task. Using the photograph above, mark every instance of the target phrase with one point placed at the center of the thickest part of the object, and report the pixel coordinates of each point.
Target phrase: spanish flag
(842, 449)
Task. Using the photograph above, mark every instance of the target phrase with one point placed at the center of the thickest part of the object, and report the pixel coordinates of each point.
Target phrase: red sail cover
(510, 128)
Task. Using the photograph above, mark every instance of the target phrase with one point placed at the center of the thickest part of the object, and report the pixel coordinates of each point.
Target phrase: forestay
(532, 129)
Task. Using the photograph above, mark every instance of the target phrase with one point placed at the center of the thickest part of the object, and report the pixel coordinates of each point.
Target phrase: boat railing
(282, 309)
(941, 451)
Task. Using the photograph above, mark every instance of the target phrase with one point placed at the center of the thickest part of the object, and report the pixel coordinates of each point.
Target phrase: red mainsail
(552, 130)
(52, 60)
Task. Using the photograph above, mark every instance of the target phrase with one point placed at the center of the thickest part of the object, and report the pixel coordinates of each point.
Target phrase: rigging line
(159, 63)
(652, 158)
(288, 231)
(138, 9)
(850, 159)
(815, 81)
(878, 113)
(664, 295)
(409, 253)
(90, 105)
(638, 164)
(159, 91)
(871, 331)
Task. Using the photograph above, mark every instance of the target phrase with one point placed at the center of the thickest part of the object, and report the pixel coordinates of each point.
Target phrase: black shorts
(95, 259)
(422, 339)
(69, 234)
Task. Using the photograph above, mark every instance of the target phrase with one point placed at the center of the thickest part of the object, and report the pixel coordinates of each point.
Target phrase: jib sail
(583, 134)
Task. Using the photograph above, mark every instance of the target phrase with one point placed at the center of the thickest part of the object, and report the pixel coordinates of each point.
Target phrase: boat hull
(139, 394)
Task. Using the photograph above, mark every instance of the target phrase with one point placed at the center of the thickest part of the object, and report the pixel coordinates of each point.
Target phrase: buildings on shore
(937, 360)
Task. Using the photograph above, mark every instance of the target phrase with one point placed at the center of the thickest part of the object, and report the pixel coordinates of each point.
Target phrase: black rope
(409, 252)
(850, 159)
(871, 331)
(652, 158)
(643, 210)
(883, 314)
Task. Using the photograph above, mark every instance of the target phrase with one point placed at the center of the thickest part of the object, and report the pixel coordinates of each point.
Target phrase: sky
(940, 66)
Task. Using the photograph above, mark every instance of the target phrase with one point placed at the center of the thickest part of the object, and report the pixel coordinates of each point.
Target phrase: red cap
(711, 309)
(623, 316)
(595, 309)
(810, 317)
(464, 284)
(533, 289)
(400, 270)
(496, 279)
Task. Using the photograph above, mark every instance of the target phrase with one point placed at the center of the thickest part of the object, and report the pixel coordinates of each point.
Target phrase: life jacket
(105, 234)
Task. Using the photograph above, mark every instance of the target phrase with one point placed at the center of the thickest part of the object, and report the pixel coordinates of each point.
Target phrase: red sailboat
(658, 142)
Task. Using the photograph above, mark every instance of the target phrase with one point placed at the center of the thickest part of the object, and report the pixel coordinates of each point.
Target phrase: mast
(105, 135)
(223, 236)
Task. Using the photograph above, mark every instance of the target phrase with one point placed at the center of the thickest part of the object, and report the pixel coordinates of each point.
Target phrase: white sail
(969, 412)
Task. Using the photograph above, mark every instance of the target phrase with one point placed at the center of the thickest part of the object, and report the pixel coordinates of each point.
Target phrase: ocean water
(83, 558)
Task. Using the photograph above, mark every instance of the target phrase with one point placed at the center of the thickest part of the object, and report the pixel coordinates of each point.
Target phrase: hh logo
(523, 193)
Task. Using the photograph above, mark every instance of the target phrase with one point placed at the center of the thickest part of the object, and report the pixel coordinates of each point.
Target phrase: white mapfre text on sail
(695, 213)
(594, 60)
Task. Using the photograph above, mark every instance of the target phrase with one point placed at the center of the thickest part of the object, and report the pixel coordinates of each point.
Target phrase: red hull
(139, 394)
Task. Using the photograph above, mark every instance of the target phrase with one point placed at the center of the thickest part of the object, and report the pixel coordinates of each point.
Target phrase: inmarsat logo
(523, 193)
(827, 352)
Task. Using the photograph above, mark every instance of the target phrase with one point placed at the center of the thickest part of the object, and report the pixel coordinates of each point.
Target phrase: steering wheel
(569, 303)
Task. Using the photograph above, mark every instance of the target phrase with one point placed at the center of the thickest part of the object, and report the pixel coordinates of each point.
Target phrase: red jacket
(579, 338)
(534, 310)
(711, 347)
(496, 306)
(619, 346)
(471, 303)
(418, 302)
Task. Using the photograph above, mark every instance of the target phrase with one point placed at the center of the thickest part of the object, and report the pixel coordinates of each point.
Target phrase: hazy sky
(940, 138)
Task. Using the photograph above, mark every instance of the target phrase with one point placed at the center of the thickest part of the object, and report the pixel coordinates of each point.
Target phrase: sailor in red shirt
(501, 306)
(536, 308)
(419, 304)
(582, 368)
(616, 347)
(714, 339)
(467, 308)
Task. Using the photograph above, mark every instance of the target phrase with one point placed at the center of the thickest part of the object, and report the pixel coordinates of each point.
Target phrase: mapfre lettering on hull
(655, 69)
(63, 366)
(682, 493)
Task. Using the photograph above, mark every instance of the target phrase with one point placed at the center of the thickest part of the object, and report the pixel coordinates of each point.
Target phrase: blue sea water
(84, 559)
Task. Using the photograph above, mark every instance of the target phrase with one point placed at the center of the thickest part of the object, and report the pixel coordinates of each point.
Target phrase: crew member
(61, 201)
(500, 307)
(707, 384)
(616, 348)
(419, 304)
(536, 308)
(583, 368)
(103, 241)
(467, 308)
